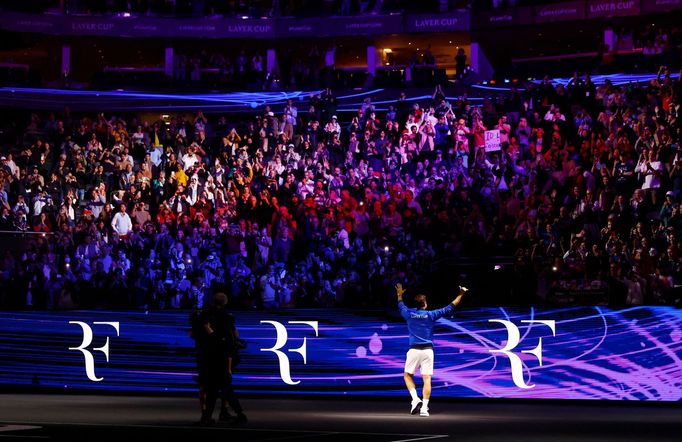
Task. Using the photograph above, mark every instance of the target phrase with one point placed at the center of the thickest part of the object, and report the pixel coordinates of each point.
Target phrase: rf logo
(282, 338)
(87, 340)
(513, 339)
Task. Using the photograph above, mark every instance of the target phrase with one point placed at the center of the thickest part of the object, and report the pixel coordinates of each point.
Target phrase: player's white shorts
(422, 358)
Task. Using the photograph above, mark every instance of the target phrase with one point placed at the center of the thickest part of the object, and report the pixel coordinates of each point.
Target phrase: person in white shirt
(121, 222)
(651, 168)
(554, 114)
(431, 116)
(106, 260)
(138, 137)
(190, 158)
(193, 190)
(8, 162)
(269, 284)
(291, 113)
(39, 202)
(505, 130)
(93, 143)
(411, 122)
(462, 133)
(155, 154)
(342, 238)
(333, 126)
(21, 205)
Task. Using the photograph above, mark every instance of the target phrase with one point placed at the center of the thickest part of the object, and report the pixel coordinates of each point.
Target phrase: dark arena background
(309, 159)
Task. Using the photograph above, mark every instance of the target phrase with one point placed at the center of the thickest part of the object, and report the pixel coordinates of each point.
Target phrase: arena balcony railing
(251, 9)
(488, 5)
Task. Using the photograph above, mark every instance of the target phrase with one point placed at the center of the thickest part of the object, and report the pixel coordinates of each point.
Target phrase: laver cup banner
(572, 353)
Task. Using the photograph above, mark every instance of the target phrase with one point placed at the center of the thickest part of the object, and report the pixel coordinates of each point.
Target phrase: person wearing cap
(290, 119)
(420, 322)
(332, 127)
(212, 264)
(36, 178)
(669, 205)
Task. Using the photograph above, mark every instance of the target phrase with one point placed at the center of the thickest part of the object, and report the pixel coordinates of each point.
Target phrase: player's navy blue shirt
(420, 323)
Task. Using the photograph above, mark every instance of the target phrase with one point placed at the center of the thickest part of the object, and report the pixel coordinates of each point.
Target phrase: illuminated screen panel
(575, 353)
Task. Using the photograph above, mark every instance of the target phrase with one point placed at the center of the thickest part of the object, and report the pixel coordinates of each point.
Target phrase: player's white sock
(425, 404)
(413, 393)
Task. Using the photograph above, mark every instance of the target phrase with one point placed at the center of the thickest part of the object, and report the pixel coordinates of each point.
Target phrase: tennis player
(420, 323)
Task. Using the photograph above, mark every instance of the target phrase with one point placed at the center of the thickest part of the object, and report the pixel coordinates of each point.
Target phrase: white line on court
(313, 433)
(435, 436)
(13, 428)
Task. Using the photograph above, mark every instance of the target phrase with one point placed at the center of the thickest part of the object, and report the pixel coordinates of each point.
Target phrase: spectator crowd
(302, 206)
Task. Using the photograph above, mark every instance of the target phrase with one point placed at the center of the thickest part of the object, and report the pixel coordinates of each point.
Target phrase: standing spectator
(121, 222)
(651, 169)
(505, 130)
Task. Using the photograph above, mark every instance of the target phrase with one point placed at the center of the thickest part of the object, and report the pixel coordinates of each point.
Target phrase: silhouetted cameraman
(217, 353)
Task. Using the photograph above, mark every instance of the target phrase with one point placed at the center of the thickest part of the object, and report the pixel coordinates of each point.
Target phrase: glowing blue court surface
(574, 353)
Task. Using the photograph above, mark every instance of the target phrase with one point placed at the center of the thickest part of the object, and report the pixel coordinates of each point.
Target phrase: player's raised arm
(458, 299)
(399, 291)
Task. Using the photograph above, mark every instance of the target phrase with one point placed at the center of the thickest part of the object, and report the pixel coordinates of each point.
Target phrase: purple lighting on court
(633, 354)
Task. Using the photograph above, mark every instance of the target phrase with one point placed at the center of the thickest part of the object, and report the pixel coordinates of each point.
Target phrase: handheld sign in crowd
(492, 140)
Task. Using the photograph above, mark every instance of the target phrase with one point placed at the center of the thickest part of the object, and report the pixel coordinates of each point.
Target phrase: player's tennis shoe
(416, 406)
(424, 412)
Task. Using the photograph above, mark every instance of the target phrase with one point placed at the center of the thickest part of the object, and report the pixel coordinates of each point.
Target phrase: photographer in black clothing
(217, 344)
